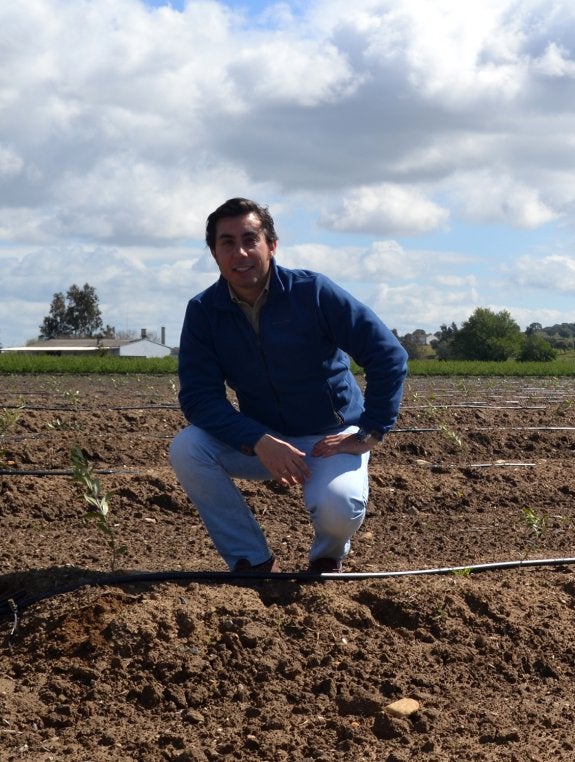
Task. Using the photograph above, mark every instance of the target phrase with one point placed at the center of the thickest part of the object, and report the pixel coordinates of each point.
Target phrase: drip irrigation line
(398, 430)
(475, 406)
(65, 472)
(71, 409)
(13, 603)
(55, 432)
(429, 464)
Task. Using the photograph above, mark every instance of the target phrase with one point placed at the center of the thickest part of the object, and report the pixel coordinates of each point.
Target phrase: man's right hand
(285, 462)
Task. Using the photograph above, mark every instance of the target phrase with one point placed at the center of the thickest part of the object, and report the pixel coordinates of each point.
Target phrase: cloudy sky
(419, 152)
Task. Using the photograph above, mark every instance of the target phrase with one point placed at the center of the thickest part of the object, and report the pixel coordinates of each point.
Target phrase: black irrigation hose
(65, 472)
(71, 409)
(14, 603)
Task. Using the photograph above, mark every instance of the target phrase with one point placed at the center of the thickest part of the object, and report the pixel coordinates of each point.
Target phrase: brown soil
(477, 472)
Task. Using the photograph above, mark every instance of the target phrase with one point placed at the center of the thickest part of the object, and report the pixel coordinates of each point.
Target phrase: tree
(535, 348)
(443, 341)
(77, 314)
(533, 328)
(409, 343)
(487, 335)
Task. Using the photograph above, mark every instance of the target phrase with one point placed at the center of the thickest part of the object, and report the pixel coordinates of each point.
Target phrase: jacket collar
(223, 300)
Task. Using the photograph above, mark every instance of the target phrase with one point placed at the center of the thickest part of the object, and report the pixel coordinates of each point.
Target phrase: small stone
(193, 717)
(405, 707)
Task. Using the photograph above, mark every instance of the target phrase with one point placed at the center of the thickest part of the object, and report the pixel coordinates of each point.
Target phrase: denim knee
(180, 451)
(337, 515)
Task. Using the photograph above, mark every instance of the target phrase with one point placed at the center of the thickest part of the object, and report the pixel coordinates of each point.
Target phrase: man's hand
(285, 463)
(335, 444)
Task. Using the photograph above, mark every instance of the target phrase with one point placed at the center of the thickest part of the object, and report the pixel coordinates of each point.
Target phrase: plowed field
(478, 472)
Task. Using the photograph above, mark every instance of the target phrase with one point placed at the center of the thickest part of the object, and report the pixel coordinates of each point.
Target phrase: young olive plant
(536, 524)
(9, 418)
(433, 414)
(564, 407)
(465, 572)
(98, 503)
(5, 458)
(72, 397)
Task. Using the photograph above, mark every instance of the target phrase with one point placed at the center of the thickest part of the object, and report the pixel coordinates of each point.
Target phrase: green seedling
(59, 425)
(448, 433)
(98, 502)
(5, 459)
(9, 418)
(564, 407)
(461, 385)
(72, 397)
(536, 523)
(462, 572)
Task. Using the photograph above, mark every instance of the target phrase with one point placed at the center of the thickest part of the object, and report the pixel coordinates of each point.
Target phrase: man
(280, 339)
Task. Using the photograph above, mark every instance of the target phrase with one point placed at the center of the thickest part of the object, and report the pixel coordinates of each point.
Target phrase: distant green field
(562, 367)
(20, 363)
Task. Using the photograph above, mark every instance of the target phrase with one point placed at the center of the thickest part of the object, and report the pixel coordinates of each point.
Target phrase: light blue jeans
(335, 495)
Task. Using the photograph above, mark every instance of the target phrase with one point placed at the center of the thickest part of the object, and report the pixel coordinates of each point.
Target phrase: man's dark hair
(237, 207)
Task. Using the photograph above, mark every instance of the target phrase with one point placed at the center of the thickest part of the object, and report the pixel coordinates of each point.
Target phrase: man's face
(243, 254)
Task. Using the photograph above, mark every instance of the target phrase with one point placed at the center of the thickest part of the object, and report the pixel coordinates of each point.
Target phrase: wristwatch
(362, 435)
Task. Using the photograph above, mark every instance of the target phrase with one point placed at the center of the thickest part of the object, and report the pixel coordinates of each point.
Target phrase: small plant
(98, 502)
(462, 386)
(451, 435)
(564, 407)
(466, 572)
(5, 459)
(536, 523)
(9, 418)
(72, 397)
(59, 425)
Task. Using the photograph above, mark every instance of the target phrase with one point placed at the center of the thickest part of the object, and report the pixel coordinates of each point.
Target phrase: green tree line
(493, 336)
(485, 335)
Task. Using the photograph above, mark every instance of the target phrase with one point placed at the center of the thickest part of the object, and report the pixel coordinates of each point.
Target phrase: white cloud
(380, 261)
(386, 209)
(489, 196)
(555, 62)
(123, 126)
(553, 272)
(414, 305)
(134, 292)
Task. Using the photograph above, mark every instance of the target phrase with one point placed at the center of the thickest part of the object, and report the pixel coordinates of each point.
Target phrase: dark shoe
(271, 565)
(325, 566)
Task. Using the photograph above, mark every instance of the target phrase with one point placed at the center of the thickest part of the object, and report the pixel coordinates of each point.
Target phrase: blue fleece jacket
(293, 378)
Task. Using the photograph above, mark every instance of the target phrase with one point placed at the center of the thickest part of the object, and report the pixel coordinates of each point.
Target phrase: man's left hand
(336, 444)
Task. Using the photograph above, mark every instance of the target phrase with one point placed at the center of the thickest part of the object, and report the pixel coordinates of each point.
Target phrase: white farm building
(142, 347)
